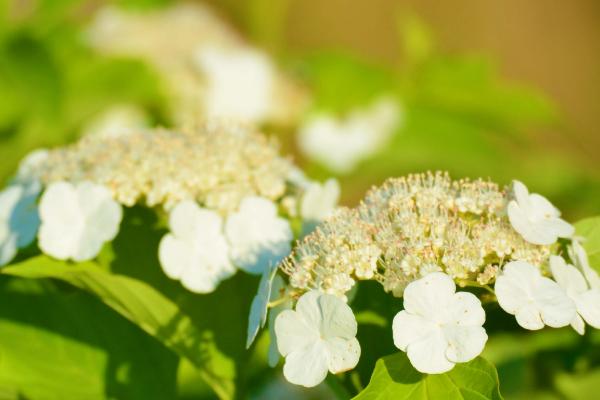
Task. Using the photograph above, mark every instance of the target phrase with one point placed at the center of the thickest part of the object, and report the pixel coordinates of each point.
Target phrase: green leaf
(143, 305)
(65, 344)
(589, 228)
(395, 378)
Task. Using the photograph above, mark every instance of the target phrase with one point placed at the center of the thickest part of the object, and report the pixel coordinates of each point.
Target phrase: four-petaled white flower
(260, 304)
(587, 301)
(19, 219)
(342, 143)
(195, 251)
(581, 261)
(317, 337)
(258, 237)
(535, 218)
(76, 220)
(240, 83)
(318, 202)
(532, 298)
(439, 327)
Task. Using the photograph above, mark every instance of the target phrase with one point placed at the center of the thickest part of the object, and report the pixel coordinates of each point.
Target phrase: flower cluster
(216, 165)
(421, 236)
(408, 228)
(229, 195)
(210, 71)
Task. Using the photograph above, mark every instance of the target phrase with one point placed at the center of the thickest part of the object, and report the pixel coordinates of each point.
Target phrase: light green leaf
(395, 378)
(65, 344)
(589, 228)
(143, 305)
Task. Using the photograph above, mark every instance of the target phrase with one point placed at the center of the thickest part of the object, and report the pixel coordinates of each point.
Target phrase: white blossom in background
(76, 220)
(341, 143)
(260, 305)
(257, 236)
(318, 202)
(19, 219)
(319, 336)
(581, 261)
(239, 83)
(195, 251)
(586, 300)
(439, 327)
(535, 218)
(117, 121)
(533, 299)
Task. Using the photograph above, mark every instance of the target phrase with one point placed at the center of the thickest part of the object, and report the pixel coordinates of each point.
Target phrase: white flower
(532, 298)
(318, 202)
(580, 259)
(77, 220)
(438, 326)
(257, 236)
(195, 251)
(535, 218)
(19, 219)
(260, 304)
(340, 144)
(587, 301)
(317, 337)
(240, 83)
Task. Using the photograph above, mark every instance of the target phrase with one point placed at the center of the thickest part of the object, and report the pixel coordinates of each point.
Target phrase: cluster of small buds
(340, 249)
(216, 165)
(410, 227)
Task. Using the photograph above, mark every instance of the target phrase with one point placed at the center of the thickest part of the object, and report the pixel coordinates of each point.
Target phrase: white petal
(428, 355)
(578, 324)
(293, 333)
(521, 193)
(528, 316)
(408, 328)
(542, 207)
(556, 308)
(259, 306)
(320, 200)
(175, 255)
(557, 227)
(465, 309)
(426, 296)
(258, 237)
(337, 319)
(520, 221)
(9, 198)
(464, 342)
(580, 258)
(588, 306)
(8, 246)
(210, 265)
(310, 310)
(343, 354)
(187, 219)
(513, 287)
(308, 366)
(567, 276)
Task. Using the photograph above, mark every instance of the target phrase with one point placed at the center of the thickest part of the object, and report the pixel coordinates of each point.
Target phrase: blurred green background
(505, 89)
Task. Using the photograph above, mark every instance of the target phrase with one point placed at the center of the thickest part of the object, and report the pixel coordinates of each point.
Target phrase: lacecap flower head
(425, 235)
(228, 194)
